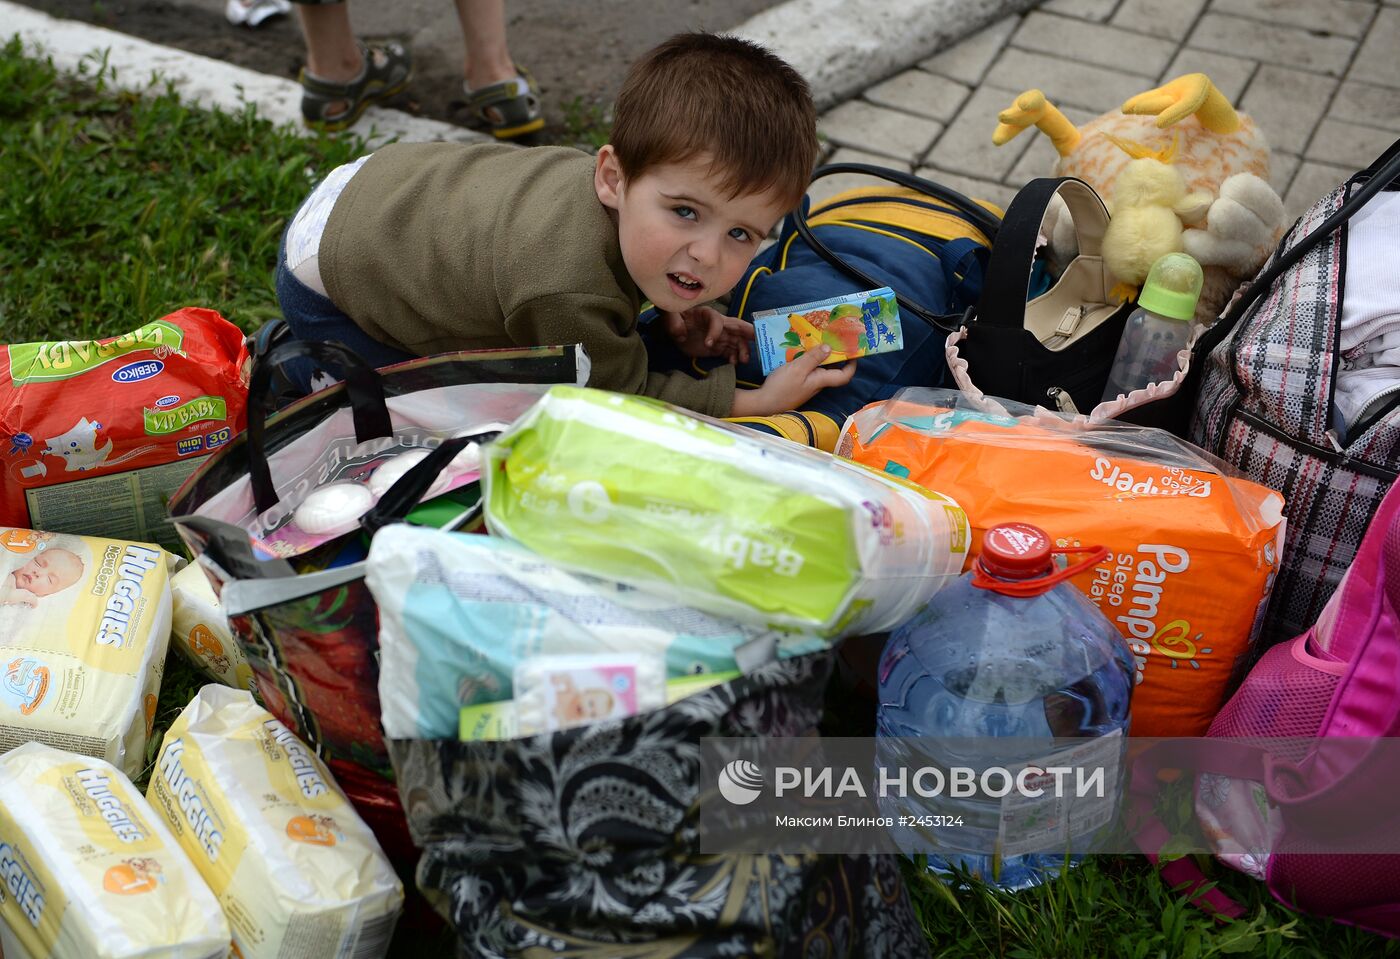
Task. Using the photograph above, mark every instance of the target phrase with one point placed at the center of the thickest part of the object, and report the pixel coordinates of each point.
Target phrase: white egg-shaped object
(334, 509)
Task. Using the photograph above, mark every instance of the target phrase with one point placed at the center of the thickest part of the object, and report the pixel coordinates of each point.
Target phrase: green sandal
(508, 109)
(336, 106)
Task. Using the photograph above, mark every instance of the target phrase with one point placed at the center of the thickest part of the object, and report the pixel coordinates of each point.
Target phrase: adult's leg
(488, 58)
(332, 54)
(343, 76)
(500, 93)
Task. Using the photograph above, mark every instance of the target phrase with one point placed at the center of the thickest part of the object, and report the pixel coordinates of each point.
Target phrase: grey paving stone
(1282, 167)
(1085, 9)
(1309, 184)
(923, 94)
(1065, 82)
(1172, 20)
(1368, 105)
(1347, 18)
(1287, 104)
(1273, 44)
(966, 145)
(828, 186)
(1378, 61)
(968, 61)
(864, 126)
(1040, 158)
(998, 193)
(1229, 74)
(1093, 43)
(1347, 144)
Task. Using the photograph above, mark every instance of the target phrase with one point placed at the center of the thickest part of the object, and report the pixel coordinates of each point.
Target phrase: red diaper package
(96, 434)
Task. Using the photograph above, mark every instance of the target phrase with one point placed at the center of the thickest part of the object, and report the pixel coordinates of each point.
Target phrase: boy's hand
(792, 384)
(705, 331)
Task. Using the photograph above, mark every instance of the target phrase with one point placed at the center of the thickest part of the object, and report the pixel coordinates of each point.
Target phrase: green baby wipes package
(725, 519)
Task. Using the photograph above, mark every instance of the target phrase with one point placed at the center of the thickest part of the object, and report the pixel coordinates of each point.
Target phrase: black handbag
(1057, 349)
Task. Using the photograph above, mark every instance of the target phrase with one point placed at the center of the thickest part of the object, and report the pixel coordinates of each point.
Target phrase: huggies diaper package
(90, 872)
(298, 873)
(96, 434)
(728, 521)
(84, 628)
(202, 633)
(479, 635)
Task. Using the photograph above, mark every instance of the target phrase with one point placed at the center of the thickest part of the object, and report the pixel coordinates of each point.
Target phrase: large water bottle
(1014, 652)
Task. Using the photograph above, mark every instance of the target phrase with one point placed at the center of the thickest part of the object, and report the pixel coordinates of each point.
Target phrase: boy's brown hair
(701, 93)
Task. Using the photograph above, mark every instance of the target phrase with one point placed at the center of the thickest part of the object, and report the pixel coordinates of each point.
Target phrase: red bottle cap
(1016, 551)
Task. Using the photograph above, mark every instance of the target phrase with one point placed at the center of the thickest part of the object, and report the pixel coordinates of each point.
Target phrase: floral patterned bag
(583, 842)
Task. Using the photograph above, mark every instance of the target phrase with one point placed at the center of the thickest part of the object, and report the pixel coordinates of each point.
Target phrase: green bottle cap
(1173, 286)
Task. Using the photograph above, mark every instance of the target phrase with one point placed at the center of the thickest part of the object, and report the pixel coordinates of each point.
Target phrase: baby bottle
(1158, 329)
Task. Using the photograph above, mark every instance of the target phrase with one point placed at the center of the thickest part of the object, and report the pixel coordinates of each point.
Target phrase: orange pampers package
(1192, 548)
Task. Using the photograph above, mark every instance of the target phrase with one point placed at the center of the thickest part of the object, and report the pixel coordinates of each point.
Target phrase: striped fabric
(1265, 407)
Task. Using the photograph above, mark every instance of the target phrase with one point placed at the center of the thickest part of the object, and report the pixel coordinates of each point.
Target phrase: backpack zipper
(1374, 411)
(1338, 458)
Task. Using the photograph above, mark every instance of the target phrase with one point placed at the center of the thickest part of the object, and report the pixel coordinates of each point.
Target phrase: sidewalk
(1321, 78)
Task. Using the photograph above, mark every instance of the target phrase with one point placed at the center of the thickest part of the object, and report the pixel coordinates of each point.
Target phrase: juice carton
(856, 324)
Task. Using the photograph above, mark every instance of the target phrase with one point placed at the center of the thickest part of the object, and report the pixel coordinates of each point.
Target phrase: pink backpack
(1340, 680)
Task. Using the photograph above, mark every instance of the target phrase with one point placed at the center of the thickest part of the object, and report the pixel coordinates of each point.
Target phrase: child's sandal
(336, 106)
(508, 109)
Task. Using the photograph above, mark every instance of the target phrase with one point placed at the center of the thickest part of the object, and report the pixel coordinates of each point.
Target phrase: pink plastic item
(1339, 679)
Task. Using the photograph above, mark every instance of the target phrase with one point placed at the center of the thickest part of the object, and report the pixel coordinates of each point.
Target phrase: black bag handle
(1003, 301)
(1379, 175)
(983, 219)
(362, 385)
(398, 500)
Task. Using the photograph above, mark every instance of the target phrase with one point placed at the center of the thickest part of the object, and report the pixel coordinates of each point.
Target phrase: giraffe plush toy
(1180, 170)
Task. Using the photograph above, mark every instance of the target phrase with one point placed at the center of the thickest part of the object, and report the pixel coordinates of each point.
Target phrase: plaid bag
(584, 842)
(1266, 403)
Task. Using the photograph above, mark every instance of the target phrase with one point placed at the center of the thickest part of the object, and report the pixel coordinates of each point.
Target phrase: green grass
(118, 208)
(586, 124)
(1118, 906)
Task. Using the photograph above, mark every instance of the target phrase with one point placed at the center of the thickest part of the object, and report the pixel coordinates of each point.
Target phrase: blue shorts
(312, 316)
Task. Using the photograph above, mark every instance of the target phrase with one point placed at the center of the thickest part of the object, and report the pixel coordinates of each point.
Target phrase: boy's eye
(684, 212)
(740, 234)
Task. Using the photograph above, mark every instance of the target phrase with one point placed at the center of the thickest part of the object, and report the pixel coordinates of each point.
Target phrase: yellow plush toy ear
(1030, 108)
(1178, 99)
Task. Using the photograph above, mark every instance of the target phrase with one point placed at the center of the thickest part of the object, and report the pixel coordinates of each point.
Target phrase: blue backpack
(928, 243)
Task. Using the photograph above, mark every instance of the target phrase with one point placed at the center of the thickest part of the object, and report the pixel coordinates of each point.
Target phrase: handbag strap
(363, 388)
(400, 499)
(980, 217)
(1003, 301)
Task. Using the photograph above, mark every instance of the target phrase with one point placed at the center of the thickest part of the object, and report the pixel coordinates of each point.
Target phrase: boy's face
(684, 240)
(50, 571)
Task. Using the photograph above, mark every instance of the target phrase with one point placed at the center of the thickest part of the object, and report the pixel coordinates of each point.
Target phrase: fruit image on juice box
(857, 324)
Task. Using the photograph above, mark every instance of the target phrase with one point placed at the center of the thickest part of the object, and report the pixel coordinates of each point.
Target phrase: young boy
(431, 247)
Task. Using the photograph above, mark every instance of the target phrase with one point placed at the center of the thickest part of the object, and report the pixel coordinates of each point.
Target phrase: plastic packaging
(297, 872)
(464, 619)
(90, 871)
(990, 657)
(1159, 328)
(724, 519)
(84, 628)
(94, 434)
(201, 631)
(1193, 548)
